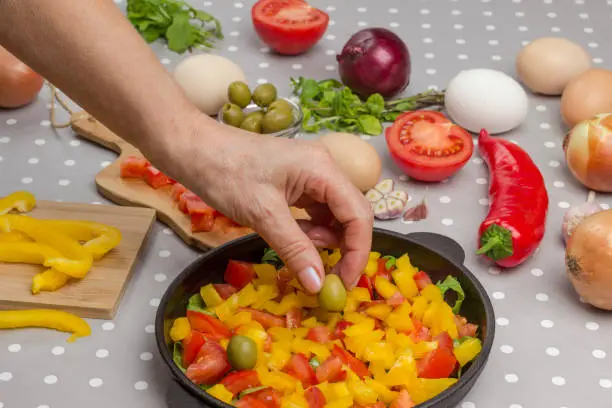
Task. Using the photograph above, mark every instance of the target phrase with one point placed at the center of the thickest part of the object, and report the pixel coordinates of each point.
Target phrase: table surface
(550, 350)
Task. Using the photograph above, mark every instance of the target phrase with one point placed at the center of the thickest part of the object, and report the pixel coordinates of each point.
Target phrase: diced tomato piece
(330, 370)
(438, 363)
(266, 319)
(185, 198)
(464, 328)
(225, 290)
(320, 334)
(239, 273)
(299, 368)
(208, 324)
(177, 190)
(379, 404)
(420, 332)
(403, 400)
(210, 365)
(340, 327)
(382, 269)
(366, 282)
(199, 207)
(238, 381)
(268, 344)
(444, 340)
(294, 318)
(248, 401)
(315, 397)
(283, 277)
(202, 222)
(156, 178)
(269, 396)
(354, 364)
(396, 299)
(134, 167)
(422, 279)
(191, 345)
(225, 225)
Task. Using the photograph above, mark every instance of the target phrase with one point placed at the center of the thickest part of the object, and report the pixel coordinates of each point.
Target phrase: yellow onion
(588, 152)
(588, 259)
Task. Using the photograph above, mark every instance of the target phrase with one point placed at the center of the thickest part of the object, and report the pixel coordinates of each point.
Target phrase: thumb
(282, 232)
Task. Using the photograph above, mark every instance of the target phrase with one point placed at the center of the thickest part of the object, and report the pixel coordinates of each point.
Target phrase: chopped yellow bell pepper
(399, 341)
(210, 295)
(403, 262)
(307, 301)
(431, 314)
(238, 319)
(360, 294)
(381, 353)
(404, 280)
(49, 281)
(358, 344)
(362, 394)
(351, 305)
(374, 256)
(228, 308)
(309, 347)
(419, 304)
(180, 330)
(20, 201)
(221, 393)
(45, 318)
(346, 402)
(296, 284)
(265, 272)
(14, 236)
(384, 288)
(384, 394)
(339, 390)
(247, 295)
(360, 329)
(300, 332)
(279, 356)
(467, 350)
(27, 252)
(371, 268)
(332, 319)
(310, 322)
(355, 317)
(423, 389)
(334, 258)
(255, 332)
(423, 347)
(224, 343)
(324, 256)
(379, 311)
(432, 293)
(99, 239)
(281, 334)
(403, 371)
(400, 318)
(278, 380)
(294, 401)
(266, 292)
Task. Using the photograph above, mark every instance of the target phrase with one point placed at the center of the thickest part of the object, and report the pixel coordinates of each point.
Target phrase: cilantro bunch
(331, 105)
(183, 26)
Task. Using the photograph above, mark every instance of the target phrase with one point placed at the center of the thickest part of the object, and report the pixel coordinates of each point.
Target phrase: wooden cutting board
(138, 193)
(98, 294)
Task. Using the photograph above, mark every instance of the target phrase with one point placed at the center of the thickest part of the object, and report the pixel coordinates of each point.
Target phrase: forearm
(89, 50)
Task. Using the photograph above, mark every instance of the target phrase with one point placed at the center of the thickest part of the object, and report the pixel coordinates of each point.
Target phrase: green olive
(259, 114)
(280, 104)
(332, 296)
(232, 114)
(276, 120)
(242, 352)
(252, 123)
(264, 95)
(239, 94)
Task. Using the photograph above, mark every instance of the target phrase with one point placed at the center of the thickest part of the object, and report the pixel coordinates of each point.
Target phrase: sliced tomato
(238, 381)
(422, 280)
(403, 400)
(354, 364)
(177, 190)
(438, 363)
(366, 282)
(199, 207)
(420, 332)
(202, 222)
(382, 269)
(267, 347)
(299, 367)
(294, 318)
(289, 27)
(134, 167)
(210, 364)
(444, 340)
(224, 290)
(191, 345)
(379, 404)
(331, 370)
(315, 397)
(266, 319)
(269, 396)
(185, 198)
(396, 299)
(208, 324)
(239, 273)
(156, 178)
(320, 334)
(283, 277)
(464, 328)
(427, 146)
(249, 401)
(340, 327)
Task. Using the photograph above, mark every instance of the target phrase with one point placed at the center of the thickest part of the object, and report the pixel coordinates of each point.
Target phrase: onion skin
(588, 259)
(375, 60)
(19, 84)
(588, 152)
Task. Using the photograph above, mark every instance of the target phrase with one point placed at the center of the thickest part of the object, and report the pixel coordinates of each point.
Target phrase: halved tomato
(134, 167)
(209, 325)
(315, 397)
(299, 367)
(438, 363)
(238, 381)
(239, 273)
(444, 340)
(210, 364)
(191, 346)
(289, 27)
(427, 146)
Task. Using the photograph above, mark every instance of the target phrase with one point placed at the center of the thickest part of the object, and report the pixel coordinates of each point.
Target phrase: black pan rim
(467, 380)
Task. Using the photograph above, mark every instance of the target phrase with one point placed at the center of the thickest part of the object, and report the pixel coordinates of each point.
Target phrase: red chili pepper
(515, 224)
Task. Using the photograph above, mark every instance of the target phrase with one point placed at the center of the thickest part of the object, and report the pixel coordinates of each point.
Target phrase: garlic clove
(385, 186)
(400, 195)
(373, 195)
(381, 210)
(395, 207)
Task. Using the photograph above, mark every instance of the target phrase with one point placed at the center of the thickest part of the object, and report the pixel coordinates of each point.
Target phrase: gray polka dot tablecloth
(550, 350)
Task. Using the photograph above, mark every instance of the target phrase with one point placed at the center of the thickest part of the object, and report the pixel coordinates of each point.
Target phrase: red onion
(375, 60)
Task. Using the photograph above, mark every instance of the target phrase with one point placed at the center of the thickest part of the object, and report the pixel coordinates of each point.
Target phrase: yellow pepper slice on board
(27, 252)
(74, 261)
(14, 236)
(99, 238)
(20, 201)
(49, 281)
(45, 318)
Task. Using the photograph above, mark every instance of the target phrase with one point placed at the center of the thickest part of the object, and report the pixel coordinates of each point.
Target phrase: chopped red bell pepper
(134, 167)
(299, 367)
(239, 273)
(238, 381)
(208, 324)
(354, 364)
(315, 397)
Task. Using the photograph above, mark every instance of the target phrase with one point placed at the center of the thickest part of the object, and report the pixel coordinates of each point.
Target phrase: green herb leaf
(271, 257)
(196, 304)
(205, 386)
(375, 104)
(390, 261)
(314, 363)
(451, 283)
(463, 339)
(177, 356)
(370, 125)
(251, 390)
(179, 33)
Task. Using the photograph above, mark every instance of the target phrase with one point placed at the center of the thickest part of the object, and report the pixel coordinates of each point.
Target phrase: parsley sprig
(331, 105)
(183, 26)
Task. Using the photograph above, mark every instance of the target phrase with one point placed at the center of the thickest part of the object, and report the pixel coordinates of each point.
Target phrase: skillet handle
(441, 243)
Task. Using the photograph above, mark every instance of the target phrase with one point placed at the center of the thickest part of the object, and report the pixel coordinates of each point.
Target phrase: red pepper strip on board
(516, 222)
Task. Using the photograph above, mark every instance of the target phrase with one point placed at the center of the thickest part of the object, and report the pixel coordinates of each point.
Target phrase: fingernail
(310, 279)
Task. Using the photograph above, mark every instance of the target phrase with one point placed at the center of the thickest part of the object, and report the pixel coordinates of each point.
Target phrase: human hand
(253, 179)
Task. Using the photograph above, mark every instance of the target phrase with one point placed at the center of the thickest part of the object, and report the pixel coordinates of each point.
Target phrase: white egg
(488, 99)
(205, 78)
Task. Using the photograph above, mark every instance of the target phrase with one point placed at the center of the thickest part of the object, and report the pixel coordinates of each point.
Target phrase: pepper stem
(496, 243)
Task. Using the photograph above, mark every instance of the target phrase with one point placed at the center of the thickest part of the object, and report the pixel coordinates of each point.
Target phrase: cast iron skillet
(436, 254)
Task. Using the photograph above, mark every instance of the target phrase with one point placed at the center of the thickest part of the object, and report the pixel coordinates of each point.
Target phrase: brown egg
(587, 95)
(546, 65)
(356, 157)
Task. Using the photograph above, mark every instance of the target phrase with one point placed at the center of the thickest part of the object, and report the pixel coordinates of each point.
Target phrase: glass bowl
(288, 133)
